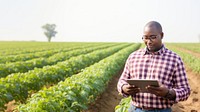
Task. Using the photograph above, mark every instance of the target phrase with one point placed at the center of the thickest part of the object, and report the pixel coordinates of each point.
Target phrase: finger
(134, 90)
(160, 84)
(127, 87)
(132, 86)
(153, 88)
(154, 92)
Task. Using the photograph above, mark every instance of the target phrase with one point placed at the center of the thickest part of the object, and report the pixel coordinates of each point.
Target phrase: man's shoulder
(138, 52)
(172, 54)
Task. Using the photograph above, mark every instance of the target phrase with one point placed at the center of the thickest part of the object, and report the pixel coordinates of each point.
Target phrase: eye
(153, 36)
(145, 37)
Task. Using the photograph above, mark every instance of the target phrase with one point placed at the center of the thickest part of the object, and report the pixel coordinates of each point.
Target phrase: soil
(193, 102)
(10, 106)
(109, 99)
(188, 51)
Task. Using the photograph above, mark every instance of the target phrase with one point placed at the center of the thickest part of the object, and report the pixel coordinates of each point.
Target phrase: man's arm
(182, 88)
(122, 80)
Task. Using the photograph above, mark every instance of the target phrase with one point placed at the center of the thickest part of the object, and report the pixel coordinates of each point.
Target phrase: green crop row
(77, 91)
(24, 66)
(16, 86)
(195, 47)
(16, 48)
(46, 54)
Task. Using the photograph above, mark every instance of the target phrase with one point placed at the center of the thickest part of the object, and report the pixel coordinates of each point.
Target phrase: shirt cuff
(177, 99)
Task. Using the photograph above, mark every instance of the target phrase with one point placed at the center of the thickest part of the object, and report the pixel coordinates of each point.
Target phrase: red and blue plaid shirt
(163, 65)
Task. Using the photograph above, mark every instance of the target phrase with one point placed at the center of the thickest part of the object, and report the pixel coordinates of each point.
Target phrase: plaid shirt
(163, 65)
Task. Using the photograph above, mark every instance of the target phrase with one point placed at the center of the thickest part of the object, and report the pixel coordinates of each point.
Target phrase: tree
(49, 31)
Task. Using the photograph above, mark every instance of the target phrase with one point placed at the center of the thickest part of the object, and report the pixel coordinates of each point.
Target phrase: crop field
(77, 76)
(36, 76)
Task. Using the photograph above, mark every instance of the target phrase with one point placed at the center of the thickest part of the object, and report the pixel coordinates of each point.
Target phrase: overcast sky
(99, 20)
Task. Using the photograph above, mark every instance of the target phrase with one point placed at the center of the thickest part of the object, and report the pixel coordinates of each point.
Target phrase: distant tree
(49, 31)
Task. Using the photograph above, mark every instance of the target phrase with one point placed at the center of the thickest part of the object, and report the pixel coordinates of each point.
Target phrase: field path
(196, 54)
(109, 99)
(193, 102)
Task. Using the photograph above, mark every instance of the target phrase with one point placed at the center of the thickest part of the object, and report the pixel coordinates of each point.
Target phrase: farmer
(154, 62)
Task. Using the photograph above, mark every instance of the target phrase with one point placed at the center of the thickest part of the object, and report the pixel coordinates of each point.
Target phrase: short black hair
(154, 23)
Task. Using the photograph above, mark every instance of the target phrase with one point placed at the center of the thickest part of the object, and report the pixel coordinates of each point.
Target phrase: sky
(99, 20)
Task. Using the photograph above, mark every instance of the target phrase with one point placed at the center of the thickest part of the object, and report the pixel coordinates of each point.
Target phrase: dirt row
(109, 99)
(193, 102)
(188, 51)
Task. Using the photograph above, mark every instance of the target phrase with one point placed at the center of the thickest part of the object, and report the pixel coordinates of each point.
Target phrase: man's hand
(130, 89)
(158, 91)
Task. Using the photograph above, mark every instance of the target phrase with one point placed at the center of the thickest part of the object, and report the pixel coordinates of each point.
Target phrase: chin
(152, 50)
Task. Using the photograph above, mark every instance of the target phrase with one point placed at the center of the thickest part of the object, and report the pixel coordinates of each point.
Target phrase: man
(154, 62)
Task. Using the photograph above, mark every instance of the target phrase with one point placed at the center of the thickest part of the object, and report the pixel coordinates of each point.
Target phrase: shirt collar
(159, 52)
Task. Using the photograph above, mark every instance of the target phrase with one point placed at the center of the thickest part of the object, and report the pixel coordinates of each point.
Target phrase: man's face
(152, 38)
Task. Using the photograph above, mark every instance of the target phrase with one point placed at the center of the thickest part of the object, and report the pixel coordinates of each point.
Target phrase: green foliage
(28, 56)
(124, 105)
(18, 85)
(77, 91)
(19, 48)
(24, 66)
(189, 46)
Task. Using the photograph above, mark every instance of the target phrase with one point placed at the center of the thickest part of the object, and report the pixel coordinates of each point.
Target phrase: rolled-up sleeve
(182, 87)
(122, 80)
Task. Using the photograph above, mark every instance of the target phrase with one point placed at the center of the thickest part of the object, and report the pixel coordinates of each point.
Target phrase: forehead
(150, 30)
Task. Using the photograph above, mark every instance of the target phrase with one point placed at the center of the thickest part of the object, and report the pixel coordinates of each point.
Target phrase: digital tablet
(143, 83)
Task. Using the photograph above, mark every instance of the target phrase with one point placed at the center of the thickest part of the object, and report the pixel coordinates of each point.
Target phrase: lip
(150, 46)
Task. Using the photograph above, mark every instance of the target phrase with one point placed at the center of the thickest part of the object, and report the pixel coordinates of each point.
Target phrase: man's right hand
(130, 89)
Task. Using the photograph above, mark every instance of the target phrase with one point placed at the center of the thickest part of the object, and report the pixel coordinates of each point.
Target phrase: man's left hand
(158, 91)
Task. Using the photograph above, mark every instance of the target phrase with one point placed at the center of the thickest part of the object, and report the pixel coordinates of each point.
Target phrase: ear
(162, 35)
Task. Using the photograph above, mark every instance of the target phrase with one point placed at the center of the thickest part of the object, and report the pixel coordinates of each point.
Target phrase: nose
(149, 41)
